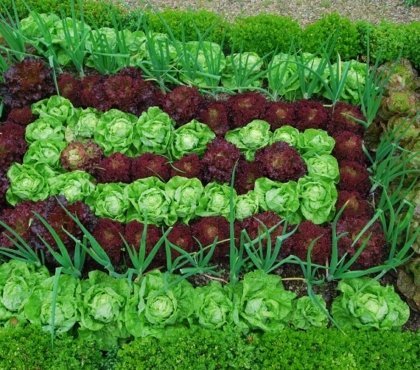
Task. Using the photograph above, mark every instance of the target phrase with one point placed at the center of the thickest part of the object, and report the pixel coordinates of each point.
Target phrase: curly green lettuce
(215, 200)
(44, 129)
(308, 314)
(47, 152)
(288, 134)
(84, 127)
(74, 186)
(246, 205)
(323, 166)
(315, 141)
(55, 107)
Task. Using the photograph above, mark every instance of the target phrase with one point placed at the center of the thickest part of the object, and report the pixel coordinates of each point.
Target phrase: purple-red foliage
(149, 164)
(354, 176)
(188, 166)
(207, 229)
(26, 82)
(108, 234)
(311, 114)
(115, 168)
(93, 93)
(219, 160)
(21, 116)
(246, 175)
(281, 162)
(4, 185)
(375, 250)
(84, 156)
(348, 146)
(279, 114)
(182, 104)
(70, 87)
(357, 206)
(181, 236)
(246, 107)
(215, 115)
(12, 144)
(342, 119)
(299, 243)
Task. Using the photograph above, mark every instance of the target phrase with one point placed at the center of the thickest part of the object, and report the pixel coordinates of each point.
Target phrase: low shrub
(265, 33)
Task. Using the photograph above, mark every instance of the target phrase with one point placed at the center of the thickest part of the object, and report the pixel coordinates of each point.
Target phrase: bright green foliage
(264, 303)
(215, 200)
(411, 49)
(84, 127)
(192, 137)
(308, 314)
(56, 107)
(250, 138)
(47, 152)
(38, 308)
(153, 131)
(44, 129)
(314, 141)
(286, 133)
(264, 34)
(365, 304)
(337, 29)
(74, 186)
(246, 205)
(214, 306)
(109, 200)
(324, 167)
(102, 308)
(159, 300)
(241, 69)
(185, 195)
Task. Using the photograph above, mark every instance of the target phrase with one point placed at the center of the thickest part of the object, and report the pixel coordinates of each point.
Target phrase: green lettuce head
(38, 307)
(283, 76)
(47, 152)
(246, 205)
(308, 314)
(185, 195)
(192, 137)
(288, 134)
(28, 182)
(215, 200)
(365, 304)
(110, 201)
(159, 300)
(159, 45)
(153, 131)
(318, 198)
(323, 167)
(114, 132)
(264, 303)
(213, 306)
(44, 129)
(55, 107)
(104, 36)
(74, 186)
(29, 26)
(67, 27)
(17, 282)
(242, 69)
(102, 308)
(314, 141)
(250, 138)
(84, 127)
(279, 197)
(148, 201)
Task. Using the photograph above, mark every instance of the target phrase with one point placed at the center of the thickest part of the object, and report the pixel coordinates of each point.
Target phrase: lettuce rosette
(56, 107)
(74, 186)
(215, 200)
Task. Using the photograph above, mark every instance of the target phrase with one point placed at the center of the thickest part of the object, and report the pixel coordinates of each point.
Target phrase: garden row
(261, 34)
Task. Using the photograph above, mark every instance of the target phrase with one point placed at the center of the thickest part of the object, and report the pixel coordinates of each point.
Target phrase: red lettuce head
(181, 236)
(71, 88)
(27, 82)
(279, 114)
(182, 104)
(93, 93)
(108, 234)
(357, 206)
(207, 229)
(343, 119)
(348, 146)
(246, 175)
(115, 168)
(376, 247)
(84, 156)
(311, 114)
(21, 116)
(215, 115)
(354, 177)
(246, 107)
(149, 164)
(299, 243)
(188, 166)
(281, 162)
(12, 144)
(219, 160)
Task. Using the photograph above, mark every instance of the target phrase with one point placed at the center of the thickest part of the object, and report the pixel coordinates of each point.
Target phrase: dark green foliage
(190, 24)
(342, 31)
(322, 348)
(265, 34)
(29, 348)
(411, 47)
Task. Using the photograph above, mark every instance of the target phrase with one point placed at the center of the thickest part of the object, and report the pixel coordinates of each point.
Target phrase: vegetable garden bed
(157, 189)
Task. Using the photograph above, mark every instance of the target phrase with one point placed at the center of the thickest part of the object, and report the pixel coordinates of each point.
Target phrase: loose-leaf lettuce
(47, 152)
(314, 141)
(216, 200)
(288, 134)
(308, 314)
(74, 186)
(324, 167)
(56, 107)
(44, 129)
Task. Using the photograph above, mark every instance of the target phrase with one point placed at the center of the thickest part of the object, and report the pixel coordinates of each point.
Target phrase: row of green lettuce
(107, 309)
(199, 63)
(203, 349)
(260, 33)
